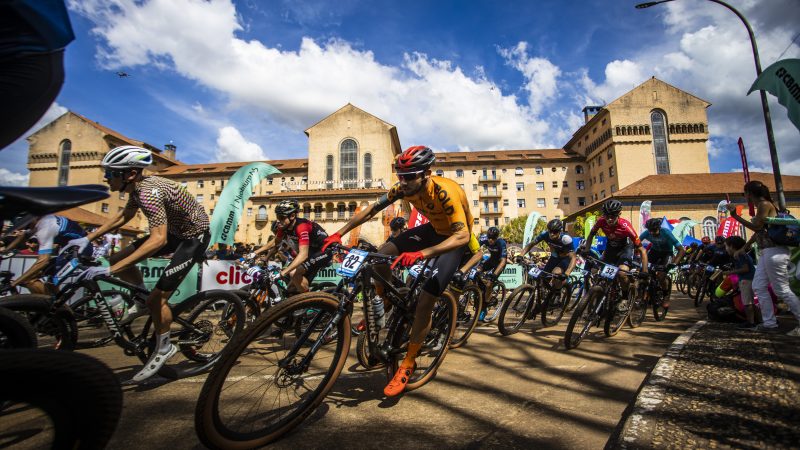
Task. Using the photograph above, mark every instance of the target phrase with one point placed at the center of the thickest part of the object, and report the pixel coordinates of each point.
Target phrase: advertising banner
(530, 228)
(644, 214)
(223, 275)
(237, 191)
(416, 219)
(782, 80)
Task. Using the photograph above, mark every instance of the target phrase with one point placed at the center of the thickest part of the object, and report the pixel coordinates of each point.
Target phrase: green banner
(681, 230)
(782, 80)
(530, 228)
(152, 269)
(230, 206)
(588, 224)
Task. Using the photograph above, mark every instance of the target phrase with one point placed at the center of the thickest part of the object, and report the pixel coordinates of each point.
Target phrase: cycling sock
(163, 343)
(413, 351)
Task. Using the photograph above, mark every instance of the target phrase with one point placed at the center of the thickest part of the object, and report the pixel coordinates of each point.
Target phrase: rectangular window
(555, 201)
(539, 170)
(200, 184)
(611, 171)
(521, 187)
(613, 188)
(555, 184)
(249, 212)
(580, 185)
(581, 201)
(269, 180)
(199, 198)
(487, 222)
(566, 200)
(104, 207)
(519, 172)
(600, 160)
(603, 193)
(212, 197)
(476, 221)
(602, 177)
(505, 186)
(520, 203)
(505, 202)
(475, 203)
(474, 187)
(506, 220)
(540, 185)
(213, 182)
(565, 184)
(459, 173)
(540, 203)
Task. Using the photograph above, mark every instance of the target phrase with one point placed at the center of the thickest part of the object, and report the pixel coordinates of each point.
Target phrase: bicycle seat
(47, 200)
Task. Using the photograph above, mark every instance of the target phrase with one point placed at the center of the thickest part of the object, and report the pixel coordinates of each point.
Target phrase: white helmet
(127, 157)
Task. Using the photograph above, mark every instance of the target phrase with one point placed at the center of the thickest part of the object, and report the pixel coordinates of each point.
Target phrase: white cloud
(9, 178)
(232, 146)
(540, 74)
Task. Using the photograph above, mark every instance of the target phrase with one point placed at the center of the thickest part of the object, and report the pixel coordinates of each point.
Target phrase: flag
(587, 225)
(238, 190)
(530, 227)
(746, 172)
(782, 80)
(681, 230)
(644, 214)
(416, 218)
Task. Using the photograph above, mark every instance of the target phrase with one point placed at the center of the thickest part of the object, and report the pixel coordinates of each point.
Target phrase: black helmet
(719, 240)
(555, 225)
(286, 207)
(493, 233)
(612, 207)
(415, 159)
(654, 224)
(398, 223)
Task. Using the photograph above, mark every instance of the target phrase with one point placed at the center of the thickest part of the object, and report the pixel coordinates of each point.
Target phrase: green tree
(514, 231)
(580, 224)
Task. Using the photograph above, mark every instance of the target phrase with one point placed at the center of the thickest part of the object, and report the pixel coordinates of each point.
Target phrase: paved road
(519, 391)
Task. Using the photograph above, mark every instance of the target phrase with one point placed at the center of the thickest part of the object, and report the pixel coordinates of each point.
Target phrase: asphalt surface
(519, 391)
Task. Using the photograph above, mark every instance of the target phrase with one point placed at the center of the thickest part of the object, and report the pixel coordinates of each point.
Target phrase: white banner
(223, 275)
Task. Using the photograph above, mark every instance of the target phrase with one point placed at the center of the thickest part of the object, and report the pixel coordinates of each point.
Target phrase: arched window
(539, 170)
(351, 209)
(660, 142)
(459, 173)
(440, 173)
(63, 164)
(329, 171)
(317, 211)
(340, 208)
(262, 213)
(368, 170)
(307, 210)
(348, 163)
(710, 226)
(578, 169)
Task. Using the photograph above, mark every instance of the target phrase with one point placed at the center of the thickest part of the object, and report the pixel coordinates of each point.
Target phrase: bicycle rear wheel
(434, 348)
(516, 309)
(700, 292)
(617, 314)
(470, 304)
(554, 305)
(15, 331)
(54, 328)
(659, 311)
(259, 390)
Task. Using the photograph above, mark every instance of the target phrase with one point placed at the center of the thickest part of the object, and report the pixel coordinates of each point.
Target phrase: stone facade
(350, 156)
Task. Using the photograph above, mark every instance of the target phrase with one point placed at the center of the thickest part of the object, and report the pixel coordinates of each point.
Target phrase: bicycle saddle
(47, 200)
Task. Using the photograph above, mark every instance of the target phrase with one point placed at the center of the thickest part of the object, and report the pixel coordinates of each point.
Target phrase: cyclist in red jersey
(621, 240)
(306, 237)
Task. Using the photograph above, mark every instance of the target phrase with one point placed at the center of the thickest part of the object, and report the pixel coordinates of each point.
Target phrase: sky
(241, 80)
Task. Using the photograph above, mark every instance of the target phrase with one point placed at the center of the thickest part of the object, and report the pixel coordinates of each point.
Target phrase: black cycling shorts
(657, 258)
(619, 256)
(315, 263)
(444, 265)
(185, 254)
(557, 261)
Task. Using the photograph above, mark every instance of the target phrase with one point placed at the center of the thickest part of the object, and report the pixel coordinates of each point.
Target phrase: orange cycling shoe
(399, 382)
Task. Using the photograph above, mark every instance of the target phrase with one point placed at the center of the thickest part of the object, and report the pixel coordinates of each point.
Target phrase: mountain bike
(603, 302)
(469, 299)
(650, 294)
(267, 383)
(536, 295)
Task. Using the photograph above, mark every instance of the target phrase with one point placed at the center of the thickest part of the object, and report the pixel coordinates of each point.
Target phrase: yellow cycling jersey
(443, 202)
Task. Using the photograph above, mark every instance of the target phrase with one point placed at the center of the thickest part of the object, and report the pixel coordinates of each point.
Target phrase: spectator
(773, 265)
(744, 268)
(31, 247)
(102, 248)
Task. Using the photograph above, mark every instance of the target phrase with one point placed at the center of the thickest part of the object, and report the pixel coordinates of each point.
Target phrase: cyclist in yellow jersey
(447, 236)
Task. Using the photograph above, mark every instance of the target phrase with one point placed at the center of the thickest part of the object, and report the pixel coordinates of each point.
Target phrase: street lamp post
(773, 151)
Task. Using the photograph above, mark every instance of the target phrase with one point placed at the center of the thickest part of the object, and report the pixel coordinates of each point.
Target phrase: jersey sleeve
(152, 203)
(391, 196)
(598, 224)
(46, 232)
(540, 237)
(630, 232)
(503, 248)
(567, 240)
(303, 232)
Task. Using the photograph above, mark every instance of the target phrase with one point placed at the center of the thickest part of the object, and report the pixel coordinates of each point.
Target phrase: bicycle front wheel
(554, 305)
(269, 380)
(617, 314)
(516, 309)
(638, 307)
(583, 317)
(470, 304)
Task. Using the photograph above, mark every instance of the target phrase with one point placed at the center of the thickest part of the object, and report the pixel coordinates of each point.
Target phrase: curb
(638, 427)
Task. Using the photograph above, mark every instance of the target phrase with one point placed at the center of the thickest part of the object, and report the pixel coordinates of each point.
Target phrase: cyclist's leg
(36, 287)
(384, 270)
(304, 275)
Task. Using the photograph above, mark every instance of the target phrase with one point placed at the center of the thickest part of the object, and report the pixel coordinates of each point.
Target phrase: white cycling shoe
(155, 363)
(134, 312)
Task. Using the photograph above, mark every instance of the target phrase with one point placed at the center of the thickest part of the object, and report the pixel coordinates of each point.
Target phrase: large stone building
(655, 129)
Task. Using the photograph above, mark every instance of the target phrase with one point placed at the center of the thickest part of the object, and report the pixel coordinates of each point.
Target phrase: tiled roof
(83, 216)
(504, 156)
(702, 184)
(283, 165)
(329, 193)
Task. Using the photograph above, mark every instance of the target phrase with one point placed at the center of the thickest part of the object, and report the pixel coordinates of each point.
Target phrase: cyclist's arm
(119, 219)
(459, 238)
(499, 269)
(32, 273)
(681, 252)
(266, 247)
(643, 252)
(302, 256)
(156, 240)
(21, 235)
(758, 221)
(572, 262)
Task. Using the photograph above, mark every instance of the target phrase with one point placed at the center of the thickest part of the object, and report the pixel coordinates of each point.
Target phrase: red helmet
(415, 159)
(706, 240)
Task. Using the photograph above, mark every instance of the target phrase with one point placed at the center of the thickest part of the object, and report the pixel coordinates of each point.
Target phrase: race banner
(681, 230)
(230, 206)
(782, 80)
(587, 225)
(416, 218)
(223, 275)
(530, 228)
(728, 227)
(644, 214)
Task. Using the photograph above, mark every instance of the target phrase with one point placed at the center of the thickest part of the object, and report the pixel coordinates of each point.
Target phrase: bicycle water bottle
(117, 305)
(377, 311)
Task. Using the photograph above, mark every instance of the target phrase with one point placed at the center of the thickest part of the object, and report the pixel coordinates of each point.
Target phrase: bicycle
(536, 295)
(603, 302)
(650, 294)
(469, 299)
(705, 286)
(299, 371)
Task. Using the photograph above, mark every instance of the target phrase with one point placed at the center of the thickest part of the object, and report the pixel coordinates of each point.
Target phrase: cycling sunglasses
(409, 176)
(110, 173)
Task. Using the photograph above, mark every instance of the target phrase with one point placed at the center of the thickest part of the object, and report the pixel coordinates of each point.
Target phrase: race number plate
(609, 272)
(709, 269)
(352, 263)
(472, 273)
(415, 270)
(535, 272)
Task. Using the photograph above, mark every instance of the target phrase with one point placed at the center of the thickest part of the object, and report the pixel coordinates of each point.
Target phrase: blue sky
(241, 80)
